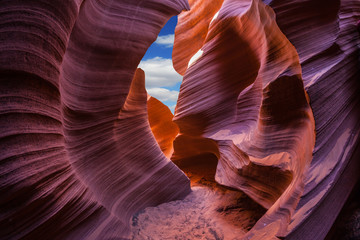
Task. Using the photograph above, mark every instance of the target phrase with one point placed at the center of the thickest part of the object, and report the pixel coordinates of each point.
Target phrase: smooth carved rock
(83, 148)
(77, 154)
(329, 57)
(192, 26)
(245, 92)
(162, 126)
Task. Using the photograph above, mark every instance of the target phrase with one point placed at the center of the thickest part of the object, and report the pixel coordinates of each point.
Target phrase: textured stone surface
(269, 106)
(241, 90)
(330, 66)
(245, 92)
(77, 154)
(192, 26)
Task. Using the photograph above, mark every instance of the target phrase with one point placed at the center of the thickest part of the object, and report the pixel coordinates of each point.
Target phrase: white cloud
(163, 94)
(166, 40)
(159, 72)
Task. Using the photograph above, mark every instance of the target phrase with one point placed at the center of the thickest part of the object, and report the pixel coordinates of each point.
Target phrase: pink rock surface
(77, 154)
(269, 105)
(327, 40)
(217, 101)
(245, 92)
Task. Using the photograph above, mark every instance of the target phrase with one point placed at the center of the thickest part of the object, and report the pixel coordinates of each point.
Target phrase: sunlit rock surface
(192, 26)
(246, 95)
(245, 92)
(162, 126)
(266, 125)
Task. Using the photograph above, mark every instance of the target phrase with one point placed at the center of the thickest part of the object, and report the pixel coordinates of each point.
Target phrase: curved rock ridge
(83, 147)
(77, 155)
(162, 126)
(192, 26)
(244, 91)
(329, 54)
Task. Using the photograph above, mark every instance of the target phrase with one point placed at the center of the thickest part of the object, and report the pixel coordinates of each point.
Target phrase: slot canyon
(263, 142)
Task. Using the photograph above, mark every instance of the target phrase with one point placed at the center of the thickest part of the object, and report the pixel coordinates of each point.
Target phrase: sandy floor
(209, 212)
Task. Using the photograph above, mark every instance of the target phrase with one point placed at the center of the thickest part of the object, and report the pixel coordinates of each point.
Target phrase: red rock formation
(244, 90)
(162, 126)
(82, 150)
(77, 154)
(192, 26)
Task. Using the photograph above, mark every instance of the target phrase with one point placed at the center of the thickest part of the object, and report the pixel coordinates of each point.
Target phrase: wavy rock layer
(195, 24)
(244, 90)
(83, 149)
(331, 74)
(77, 155)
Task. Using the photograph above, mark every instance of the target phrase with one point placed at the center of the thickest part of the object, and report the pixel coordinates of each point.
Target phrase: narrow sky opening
(161, 79)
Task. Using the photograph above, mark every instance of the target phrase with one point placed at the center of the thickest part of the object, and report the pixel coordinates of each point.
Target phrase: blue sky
(161, 80)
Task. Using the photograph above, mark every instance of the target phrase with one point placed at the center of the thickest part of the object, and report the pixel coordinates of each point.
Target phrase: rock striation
(77, 155)
(329, 52)
(245, 92)
(269, 105)
(244, 89)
